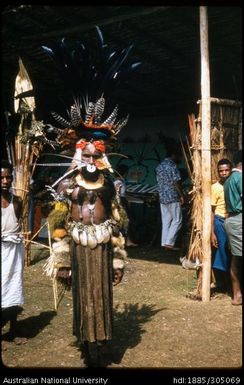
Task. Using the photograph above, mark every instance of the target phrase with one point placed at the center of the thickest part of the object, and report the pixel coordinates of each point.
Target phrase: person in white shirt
(12, 251)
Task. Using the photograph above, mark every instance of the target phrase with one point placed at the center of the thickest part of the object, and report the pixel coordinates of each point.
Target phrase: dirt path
(155, 324)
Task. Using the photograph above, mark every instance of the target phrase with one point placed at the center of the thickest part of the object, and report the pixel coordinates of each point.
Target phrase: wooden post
(206, 156)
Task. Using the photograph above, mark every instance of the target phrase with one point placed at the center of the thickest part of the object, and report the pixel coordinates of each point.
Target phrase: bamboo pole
(206, 156)
(55, 293)
(55, 283)
(37, 243)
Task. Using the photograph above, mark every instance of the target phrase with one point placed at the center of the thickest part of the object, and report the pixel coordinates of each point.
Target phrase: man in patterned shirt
(171, 198)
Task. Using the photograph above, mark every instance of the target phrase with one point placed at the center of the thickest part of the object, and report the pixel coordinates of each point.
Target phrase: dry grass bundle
(194, 150)
(226, 126)
(27, 146)
(226, 131)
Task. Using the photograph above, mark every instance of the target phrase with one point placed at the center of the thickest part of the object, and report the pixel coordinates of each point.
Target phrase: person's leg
(12, 314)
(166, 221)
(175, 224)
(233, 228)
(92, 353)
(222, 281)
(221, 255)
(13, 321)
(5, 318)
(84, 351)
(236, 286)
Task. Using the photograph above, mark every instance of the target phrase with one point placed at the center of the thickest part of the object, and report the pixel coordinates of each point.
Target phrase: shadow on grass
(31, 326)
(154, 254)
(39, 250)
(128, 330)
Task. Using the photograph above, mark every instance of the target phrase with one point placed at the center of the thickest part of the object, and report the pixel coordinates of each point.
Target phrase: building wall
(143, 141)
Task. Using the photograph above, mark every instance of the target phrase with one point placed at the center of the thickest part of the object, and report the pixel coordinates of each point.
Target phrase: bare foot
(130, 243)
(169, 247)
(5, 345)
(237, 301)
(20, 340)
(194, 296)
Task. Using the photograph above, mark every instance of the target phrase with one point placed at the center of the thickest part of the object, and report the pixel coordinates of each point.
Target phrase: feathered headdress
(90, 78)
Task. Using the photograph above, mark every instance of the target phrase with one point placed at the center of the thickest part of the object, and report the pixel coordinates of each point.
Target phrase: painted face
(90, 155)
(6, 179)
(224, 171)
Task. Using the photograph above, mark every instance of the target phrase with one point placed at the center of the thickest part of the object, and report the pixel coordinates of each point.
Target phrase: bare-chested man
(92, 223)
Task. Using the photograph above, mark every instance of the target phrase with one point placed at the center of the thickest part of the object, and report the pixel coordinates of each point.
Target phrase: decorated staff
(28, 145)
(88, 246)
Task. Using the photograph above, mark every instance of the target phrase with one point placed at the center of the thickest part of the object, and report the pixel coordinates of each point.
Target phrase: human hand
(64, 277)
(63, 272)
(214, 240)
(117, 276)
(182, 200)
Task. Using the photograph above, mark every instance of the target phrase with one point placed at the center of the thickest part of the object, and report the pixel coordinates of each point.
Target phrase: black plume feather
(60, 119)
(87, 74)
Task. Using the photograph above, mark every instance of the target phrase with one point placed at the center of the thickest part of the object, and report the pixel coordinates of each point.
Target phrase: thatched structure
(226, 132)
